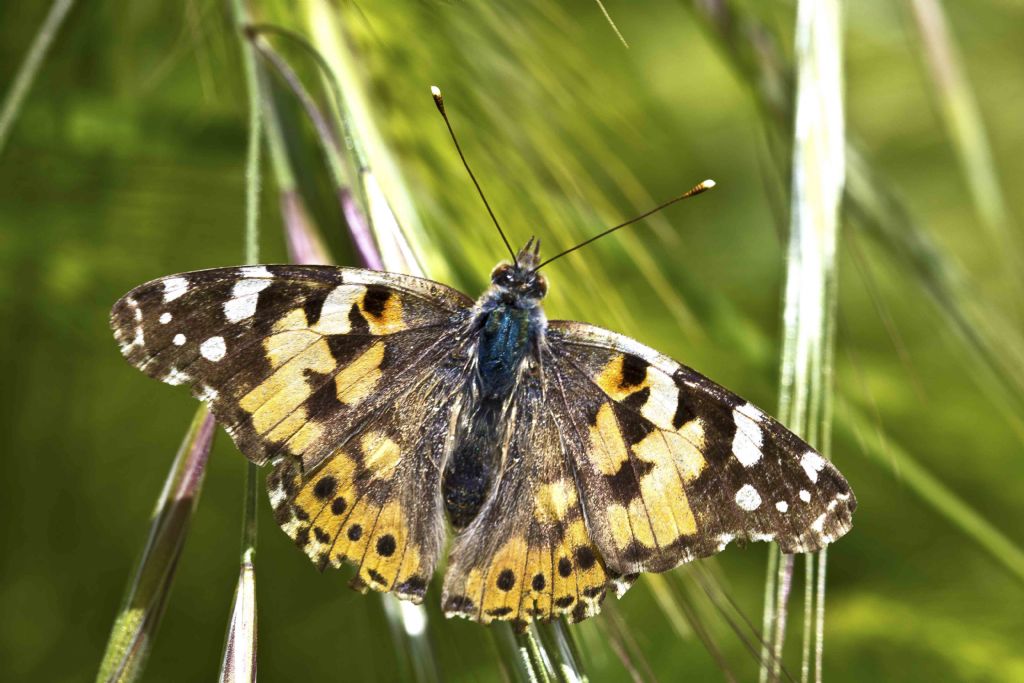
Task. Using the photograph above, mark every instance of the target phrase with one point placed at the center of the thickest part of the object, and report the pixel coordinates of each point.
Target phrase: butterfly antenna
(439, 101)
(697, 189)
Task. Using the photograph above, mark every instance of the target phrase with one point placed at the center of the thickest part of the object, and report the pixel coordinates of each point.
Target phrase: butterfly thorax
(509, 325)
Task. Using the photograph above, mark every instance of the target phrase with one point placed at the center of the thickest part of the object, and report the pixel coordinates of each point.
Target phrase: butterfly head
(520, 279)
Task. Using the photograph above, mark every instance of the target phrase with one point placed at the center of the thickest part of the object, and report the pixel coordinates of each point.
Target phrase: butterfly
(395, 411)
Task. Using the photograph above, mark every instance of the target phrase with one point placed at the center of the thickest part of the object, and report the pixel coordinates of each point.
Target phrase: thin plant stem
(611, 22)
(784, 582)
(809, 617)
(819, 613)
(531, 656)
(29, 68)
(239, 660)
(768, 620)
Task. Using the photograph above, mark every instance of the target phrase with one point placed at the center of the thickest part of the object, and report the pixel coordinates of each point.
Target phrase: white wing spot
(213, 349)
(255, 271)
(246, 287)
(812, 464)
(751, 411)
(805, 495)
(176, 376)
(747, 442)
(165, 318)
(818, 525)
(237, 310)
(245, 295)
(335, 309)
(174, 287)
(748, 498)
(782, 506)
(208, 394)
(179, 339)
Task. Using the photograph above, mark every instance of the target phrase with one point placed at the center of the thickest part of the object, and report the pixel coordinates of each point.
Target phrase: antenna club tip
(438, 100)
(708, 184)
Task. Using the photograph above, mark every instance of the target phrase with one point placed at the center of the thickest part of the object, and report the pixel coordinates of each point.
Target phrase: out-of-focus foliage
(127, 163)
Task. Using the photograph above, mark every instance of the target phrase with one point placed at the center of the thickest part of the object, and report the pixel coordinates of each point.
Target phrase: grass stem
(29, 68)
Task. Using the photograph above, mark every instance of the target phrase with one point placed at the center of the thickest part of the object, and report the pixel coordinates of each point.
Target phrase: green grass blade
(962, 115)
(240, 644)
(135, 627)
(29, 69)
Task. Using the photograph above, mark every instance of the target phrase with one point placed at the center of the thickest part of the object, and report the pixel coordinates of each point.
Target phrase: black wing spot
(459, 603)
(538, 582)
(585, 557)
(684, 410)
(624, 485)
(417, 585)
(386, 545)
(338, 506)
(634, 428)
(634, 371)
(565, 601)
(637, 399)
(376, 300)
(355, 532)
(579, 612)
(325, 488)
(357, 323)
(321, 535)
(506, 580)
(564, 567)
(313, 306)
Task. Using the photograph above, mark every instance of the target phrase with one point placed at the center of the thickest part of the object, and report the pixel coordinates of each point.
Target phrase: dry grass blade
(139, 617)
(819, 166)
(239, 661)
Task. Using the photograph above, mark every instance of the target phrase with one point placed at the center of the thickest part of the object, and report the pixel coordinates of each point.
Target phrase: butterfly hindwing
(528, 554)
(343, 378)
(672, 467)
(375, 500)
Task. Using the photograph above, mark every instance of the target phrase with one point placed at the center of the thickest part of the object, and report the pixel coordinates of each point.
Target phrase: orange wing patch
(552, 570)
(349, 512)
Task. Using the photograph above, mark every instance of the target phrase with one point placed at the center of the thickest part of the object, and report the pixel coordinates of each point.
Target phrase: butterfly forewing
(344, 378)
(672, 467)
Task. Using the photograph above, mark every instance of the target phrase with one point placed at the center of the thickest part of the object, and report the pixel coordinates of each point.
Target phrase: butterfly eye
(502, 275)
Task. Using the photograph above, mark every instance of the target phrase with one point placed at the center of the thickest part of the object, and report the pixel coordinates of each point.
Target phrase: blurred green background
(127, 163)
